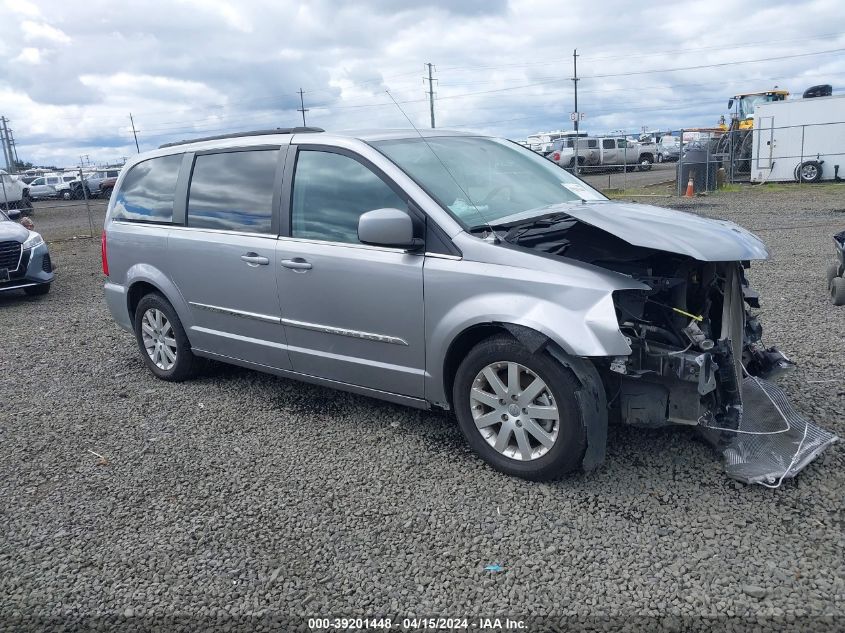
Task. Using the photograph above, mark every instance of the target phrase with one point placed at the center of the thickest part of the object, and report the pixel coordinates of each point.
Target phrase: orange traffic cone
(690, 188)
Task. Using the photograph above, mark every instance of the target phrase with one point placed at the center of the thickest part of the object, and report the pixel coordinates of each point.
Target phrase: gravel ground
(241, 496)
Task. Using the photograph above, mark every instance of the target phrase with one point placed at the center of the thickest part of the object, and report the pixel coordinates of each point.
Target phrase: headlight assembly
(33, 240)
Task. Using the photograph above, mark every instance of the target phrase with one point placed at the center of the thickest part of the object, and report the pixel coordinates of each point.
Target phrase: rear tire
(162, 340)
(645, 163)
(533, 447)
(66, 194)
(37, 291)
(837, 291)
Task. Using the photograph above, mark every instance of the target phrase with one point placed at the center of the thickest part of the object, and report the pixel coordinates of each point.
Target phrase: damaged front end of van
(697, 356)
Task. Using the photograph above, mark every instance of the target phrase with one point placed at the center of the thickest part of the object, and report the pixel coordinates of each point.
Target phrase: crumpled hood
(674, 231)
(12, 231)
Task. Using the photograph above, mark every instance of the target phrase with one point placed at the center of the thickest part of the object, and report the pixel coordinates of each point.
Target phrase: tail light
(556, 156)
(105, 253)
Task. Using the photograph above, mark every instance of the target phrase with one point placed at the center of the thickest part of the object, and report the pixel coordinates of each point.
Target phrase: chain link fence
(802, 153)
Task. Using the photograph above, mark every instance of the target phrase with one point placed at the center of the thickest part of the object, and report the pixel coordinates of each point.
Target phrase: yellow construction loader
(735, 144)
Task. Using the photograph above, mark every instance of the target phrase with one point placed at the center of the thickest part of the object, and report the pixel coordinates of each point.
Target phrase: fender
(153, 276)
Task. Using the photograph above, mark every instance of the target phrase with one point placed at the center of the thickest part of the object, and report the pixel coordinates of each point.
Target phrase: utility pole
(577, 114)
(302, 107)
(14, 147)
(430, 93)
(134, 132)
(575, 82)
(7, 155)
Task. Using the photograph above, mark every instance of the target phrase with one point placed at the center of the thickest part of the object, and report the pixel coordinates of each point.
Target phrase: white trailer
(799, 138)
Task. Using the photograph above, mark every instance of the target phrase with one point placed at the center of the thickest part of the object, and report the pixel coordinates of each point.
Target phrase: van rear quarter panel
(139, 252)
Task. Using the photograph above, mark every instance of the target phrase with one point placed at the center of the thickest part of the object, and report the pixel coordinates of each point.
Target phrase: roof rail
(278, 130)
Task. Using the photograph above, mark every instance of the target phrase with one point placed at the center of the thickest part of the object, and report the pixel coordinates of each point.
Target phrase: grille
(10, 254)
(46, 264)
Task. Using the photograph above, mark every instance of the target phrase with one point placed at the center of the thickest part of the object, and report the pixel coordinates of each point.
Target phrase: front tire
(66, 194)
(837, 291)
(518, 410)
(162, 340)
(645, 163)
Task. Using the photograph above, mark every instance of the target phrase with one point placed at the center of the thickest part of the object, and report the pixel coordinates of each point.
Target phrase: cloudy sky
(70, 73)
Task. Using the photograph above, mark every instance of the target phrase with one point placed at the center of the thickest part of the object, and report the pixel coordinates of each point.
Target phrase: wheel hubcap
(158, 339)
(514, 410)
(808, 172)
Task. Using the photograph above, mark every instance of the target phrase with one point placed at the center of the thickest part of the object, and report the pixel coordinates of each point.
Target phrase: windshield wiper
(520, 230)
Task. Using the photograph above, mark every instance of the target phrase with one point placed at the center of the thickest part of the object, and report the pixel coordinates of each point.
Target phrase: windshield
(490, 178)
(747, 104)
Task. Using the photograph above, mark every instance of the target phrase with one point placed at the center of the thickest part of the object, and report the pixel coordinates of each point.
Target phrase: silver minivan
(437, 270)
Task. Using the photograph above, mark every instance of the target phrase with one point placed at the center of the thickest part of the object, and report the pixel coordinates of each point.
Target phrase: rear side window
(330, 192)
(233, 191)
(148, 189)
(592, 144)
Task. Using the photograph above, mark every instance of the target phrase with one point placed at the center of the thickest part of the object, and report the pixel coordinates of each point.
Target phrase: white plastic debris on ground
(773, 442)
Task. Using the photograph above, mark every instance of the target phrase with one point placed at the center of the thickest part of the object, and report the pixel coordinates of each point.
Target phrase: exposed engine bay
(691, 334)
(696, 347)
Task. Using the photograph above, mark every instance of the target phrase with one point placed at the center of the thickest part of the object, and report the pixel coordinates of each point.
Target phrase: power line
(559, 60)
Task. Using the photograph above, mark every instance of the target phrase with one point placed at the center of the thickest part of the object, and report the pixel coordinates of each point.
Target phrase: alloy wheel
(809, 173)
(157, 335)
(514, 410)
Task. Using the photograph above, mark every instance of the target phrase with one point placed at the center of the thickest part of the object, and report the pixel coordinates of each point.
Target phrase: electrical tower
(430, 92)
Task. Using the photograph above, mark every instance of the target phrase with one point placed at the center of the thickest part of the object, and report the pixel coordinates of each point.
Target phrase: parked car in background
(668, 149)
(107, 186)
(24, 259)
(563, 151)
(51, 186)
(450, 271)
(595, 154)
(96, 179)
(14, 196)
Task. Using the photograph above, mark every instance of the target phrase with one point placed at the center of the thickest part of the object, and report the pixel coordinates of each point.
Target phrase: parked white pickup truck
(604, 153)
(14, 196)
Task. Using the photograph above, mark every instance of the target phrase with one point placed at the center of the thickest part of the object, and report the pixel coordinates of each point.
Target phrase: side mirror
(730, 103)
(387, 227)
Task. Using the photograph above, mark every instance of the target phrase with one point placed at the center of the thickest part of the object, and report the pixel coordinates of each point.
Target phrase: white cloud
(29, 56)
(43, 31)
(23, 7)
(196, 67)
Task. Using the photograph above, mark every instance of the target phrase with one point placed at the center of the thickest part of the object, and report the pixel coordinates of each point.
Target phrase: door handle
(297, 264)
(254, 259)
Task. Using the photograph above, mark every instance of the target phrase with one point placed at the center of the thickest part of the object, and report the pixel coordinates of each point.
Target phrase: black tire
(837, 291)
(831, 273)
(809, 171)
(66, 194)
(37, 291)
(105, 194)
(645, 163)
(26, 204)
(186, 364)
(566, 453)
